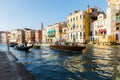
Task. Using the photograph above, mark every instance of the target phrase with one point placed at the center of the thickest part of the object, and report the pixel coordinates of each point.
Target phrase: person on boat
(25, 43)
(63, 42)
(56, 43)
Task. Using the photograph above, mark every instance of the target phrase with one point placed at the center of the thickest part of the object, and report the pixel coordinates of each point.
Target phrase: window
(80, 33)
(90, 39)
(83, 26)
(95, 32)
(117, 37)
(117, 28)
(76, 18)
(68, 21)
(91, 33)
(80, 26)
(76, 26)
(80, 16)
(84, 34)
(84, 16)
(65, 30)
(71, 36)
(71, 19)
(73, 26)
(76, 35)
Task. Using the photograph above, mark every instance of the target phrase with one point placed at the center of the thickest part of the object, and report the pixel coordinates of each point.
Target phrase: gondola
(12, 44)
(24, 48)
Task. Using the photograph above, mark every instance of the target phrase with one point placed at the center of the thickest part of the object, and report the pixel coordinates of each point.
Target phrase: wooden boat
(75, 48)
(36, 46)
(24, 48)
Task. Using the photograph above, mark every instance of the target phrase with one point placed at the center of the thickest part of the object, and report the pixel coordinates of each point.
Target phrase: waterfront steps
(11, 69)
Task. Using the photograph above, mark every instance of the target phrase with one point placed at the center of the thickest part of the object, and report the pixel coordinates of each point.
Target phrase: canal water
(93, 63)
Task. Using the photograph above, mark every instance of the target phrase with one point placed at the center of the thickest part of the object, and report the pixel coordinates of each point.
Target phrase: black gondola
(12, 44)
(24, 48)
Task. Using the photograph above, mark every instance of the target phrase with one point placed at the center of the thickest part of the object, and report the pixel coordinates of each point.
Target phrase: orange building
(38, 35)
(91, 15)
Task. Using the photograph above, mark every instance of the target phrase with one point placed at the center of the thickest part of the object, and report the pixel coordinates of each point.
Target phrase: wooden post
(7, 41)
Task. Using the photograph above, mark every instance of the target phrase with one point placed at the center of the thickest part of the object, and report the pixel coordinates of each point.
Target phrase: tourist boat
(74, 48)
(24, 48)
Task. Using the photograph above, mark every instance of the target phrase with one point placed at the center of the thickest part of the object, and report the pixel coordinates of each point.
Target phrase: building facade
(3, 37)
(113, 20)
(38, 36)
(99, 32)
(17, 35)
(29, 35)
(53, 32)
(76, 26)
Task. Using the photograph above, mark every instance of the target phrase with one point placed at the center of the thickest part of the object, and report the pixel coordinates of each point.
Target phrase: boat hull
(12, 44)
(23, 48)
(67, 47)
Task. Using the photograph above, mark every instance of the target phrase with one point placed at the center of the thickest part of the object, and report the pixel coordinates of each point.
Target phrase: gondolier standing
(25, 43)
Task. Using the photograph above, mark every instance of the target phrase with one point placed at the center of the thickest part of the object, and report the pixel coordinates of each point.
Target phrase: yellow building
(76, 26)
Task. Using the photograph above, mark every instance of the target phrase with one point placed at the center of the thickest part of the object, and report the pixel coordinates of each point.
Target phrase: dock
(12, 69)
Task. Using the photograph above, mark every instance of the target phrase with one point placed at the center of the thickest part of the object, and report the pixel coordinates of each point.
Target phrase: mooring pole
(7, 41)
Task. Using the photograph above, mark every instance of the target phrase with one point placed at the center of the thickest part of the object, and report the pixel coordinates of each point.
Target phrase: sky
(19, 14)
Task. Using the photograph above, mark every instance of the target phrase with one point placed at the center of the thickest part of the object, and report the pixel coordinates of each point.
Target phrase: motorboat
(61, 44)
(67, 47)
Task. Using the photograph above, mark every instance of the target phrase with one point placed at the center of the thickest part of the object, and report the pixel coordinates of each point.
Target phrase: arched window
(80, 33)
(95, 32)
(73, 26)
(117, 37)
(76, 35)
(91, 33)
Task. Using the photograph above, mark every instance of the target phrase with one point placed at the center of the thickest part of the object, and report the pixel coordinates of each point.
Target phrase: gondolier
(25, 43)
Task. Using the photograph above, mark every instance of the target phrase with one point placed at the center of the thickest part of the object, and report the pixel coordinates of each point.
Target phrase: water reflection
(93, 63)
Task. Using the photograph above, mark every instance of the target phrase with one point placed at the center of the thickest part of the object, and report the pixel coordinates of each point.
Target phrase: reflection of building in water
(115, 63)
(74, 65)
(85, 65)
(101, 63)
(108, 61)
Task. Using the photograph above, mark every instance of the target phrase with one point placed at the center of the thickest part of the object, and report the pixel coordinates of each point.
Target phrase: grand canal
(93, 63)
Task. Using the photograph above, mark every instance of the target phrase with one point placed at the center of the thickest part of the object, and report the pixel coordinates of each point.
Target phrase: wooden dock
(11, 69)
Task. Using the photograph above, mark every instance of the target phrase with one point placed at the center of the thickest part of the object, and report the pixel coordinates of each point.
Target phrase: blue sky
(30, 13)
